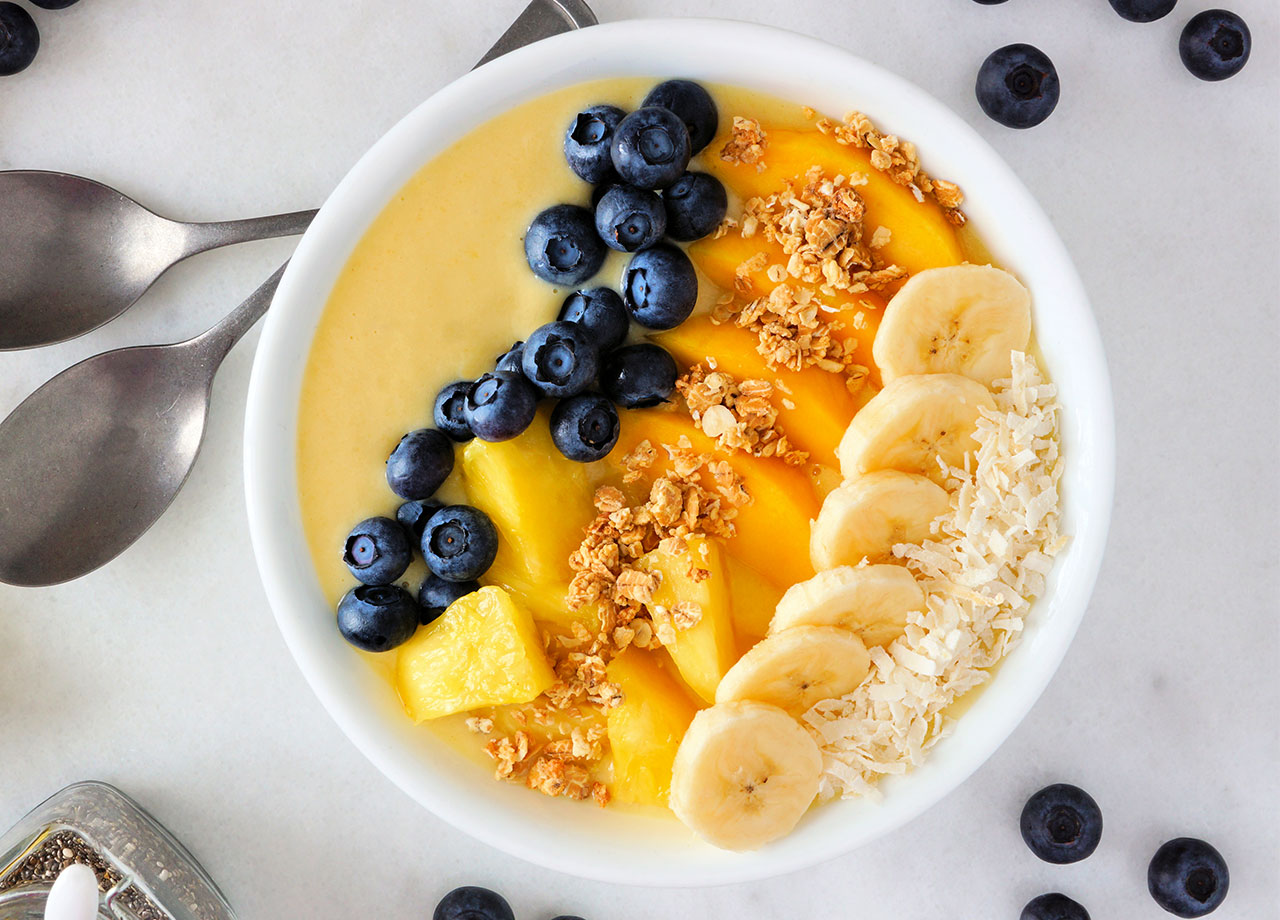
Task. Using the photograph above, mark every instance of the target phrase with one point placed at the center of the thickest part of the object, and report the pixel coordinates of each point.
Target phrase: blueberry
(413, 517)
(692, 104)
(436, 594)
(660, 287)
(585, 427)
(53, 4)
(1018, 86)
(600, 191)
(1187, 877)
(601, 312)
(450, 411)
(500, 406)
(1214, 44)
(510, 360)
(630, 219)
(638, 376)
(696, 204)
(651, 148)
(1053, 906)
(561, 359)
(472, 903)
(1143, 10)
(989, 2)
(377, 618)
(567, 917)
(588, 142)
(377, 551)
(19, 39)
(420, 464)
(562, 245)
(460, 543)
(1061, 823)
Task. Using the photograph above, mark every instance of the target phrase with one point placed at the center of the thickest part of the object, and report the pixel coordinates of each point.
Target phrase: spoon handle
(213, 344)
(205, 236)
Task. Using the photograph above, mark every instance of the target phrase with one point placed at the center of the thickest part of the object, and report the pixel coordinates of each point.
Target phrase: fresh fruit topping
(459, 543)
(690, 103)
(1053, 906)
(646, 727)
(450, 411)
(484, 651)
(638, 376)
(377, 618)
(913, 423)
(696, 204)
(864, 517)
(660, 287)
(377, 551)
(1188, 877)
(1061, 823)
(510, 360)
(630, 219)
(796, 668)
(560, 359)
(420, 464)
(873, 601)
(1143, 10)
(562, 245)
(962, 319)
(601, 312)
(1215, 44)
(500, 405)
(19, 39)
(1018, 86)
(413, 517)
(585, 427)
(588, 143)
(436, 594)
(473, 903)
(651, 148)
(744, 775)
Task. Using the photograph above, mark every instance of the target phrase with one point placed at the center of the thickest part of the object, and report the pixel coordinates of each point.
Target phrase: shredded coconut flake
(980, 575)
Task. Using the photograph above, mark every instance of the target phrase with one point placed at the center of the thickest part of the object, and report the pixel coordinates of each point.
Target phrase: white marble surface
(164, 672)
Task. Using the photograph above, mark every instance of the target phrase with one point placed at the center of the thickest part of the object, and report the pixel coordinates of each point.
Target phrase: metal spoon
(75, 254)
(92, 459)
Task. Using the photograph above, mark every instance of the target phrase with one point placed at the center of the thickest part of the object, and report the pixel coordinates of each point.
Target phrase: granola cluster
(739, 414)
(746, 143)
(897, 159)
(559, 767)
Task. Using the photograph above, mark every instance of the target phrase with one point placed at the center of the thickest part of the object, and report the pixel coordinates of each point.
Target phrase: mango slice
(754, 599)
(483, 651)
(773, 528)
(646, 728)
(540, 501)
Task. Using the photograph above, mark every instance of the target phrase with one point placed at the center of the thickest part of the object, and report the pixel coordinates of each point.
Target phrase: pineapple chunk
(704, 651)
(646, 728)
(483, 651)
(754, 598)
(540, 501)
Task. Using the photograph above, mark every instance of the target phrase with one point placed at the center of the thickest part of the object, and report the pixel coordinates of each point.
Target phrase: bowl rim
(700, 49)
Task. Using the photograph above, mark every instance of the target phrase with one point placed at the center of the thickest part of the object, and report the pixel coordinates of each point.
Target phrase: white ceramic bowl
(607, 844)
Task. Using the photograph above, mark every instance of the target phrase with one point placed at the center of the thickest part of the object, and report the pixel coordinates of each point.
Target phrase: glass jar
(143, 872)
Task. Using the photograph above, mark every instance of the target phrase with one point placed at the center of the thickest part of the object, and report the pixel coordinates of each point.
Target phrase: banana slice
(796, 668)
(963, 319)
(912, 423)
(873, 601)
(868, 514)
(744, 775)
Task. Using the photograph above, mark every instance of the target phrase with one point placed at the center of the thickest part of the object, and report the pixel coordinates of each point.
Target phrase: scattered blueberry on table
(695, 203)
(501, 405)
(1061, 823)
(692, 104)
(473, 903)
(1018, 86)
(560, 359)
(377, 618)
(377, 551)
(562, 245)
(588, 144)
(1188, 877)
(450, 411)
(601, 312)
(1215, 44)
(460, 543)
(638, 376)
(585, 427)
(1143, 10)
(1053, 906)
(19, 39)
(651, 148)
(630, 219)
(54, 4)
(420, 464)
